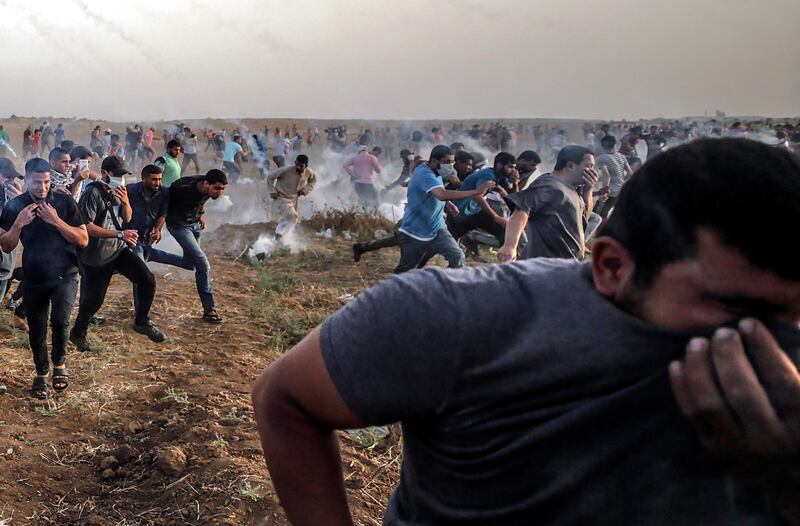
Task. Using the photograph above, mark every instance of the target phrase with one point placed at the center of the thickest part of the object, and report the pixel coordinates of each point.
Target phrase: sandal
(39, 387)
(211, 316)
(60, 379)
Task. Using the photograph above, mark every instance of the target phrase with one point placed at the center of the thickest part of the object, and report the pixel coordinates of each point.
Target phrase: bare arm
(488, 209)
(297, 407)
(75, 235)
(449, 195)
(514, 227)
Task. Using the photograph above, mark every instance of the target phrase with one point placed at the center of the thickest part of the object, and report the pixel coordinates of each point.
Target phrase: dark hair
(377, 149)
(56, 153)
(706, 184)
(462, 156)
(67, 145)
(572, 153)
(302, 158)
(529, 155)
(504, 158)
(457, 145)
(37, 165)
(440, 151)
(173, 143)
(215, 176)
(80, 152)
(151, 169)
(608, 142)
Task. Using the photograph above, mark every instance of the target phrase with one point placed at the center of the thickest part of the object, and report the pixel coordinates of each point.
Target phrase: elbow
(83, 240)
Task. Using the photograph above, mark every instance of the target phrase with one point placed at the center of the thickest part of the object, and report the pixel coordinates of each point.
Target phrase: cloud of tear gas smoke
(266, 244)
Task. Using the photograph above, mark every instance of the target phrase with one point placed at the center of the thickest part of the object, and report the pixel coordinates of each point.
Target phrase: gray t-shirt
(556, 222)
(527, 398)
(100, 251)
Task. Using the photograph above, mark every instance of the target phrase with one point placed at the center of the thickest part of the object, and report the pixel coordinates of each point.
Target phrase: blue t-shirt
(231, 149)
(424, 215)
(468, 206)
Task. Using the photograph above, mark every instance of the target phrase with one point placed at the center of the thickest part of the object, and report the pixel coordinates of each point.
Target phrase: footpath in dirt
(163, 434)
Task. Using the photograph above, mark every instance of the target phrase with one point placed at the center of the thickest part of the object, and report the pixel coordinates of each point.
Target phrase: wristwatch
(119, 234)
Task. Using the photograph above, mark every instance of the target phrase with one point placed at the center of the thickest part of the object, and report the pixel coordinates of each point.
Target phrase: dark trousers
(461, 224)
(367, 194)
(58, 297)
(233, 170)
(187, 158)
(279, 160)
(95, 281)
(415, 253)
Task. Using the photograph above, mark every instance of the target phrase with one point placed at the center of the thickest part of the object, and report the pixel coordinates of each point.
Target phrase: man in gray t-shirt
(106, 206)
(553, 210)
(638, 389)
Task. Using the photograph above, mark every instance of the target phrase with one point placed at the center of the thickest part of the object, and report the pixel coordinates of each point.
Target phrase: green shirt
(4, 136)
(172, 170)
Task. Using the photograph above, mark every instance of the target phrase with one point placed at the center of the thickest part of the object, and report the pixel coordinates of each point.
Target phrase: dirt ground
(163, 434)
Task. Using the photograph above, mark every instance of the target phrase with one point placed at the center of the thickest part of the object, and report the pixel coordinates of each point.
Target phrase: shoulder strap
(107, 201)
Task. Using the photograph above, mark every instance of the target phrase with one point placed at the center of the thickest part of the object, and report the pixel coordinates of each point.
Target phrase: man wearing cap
(361, 168)
(105, 205)
(50, 227)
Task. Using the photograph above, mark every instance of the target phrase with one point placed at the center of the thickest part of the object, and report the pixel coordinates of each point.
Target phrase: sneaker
(97, 320)
(151, 331)
(82, 343)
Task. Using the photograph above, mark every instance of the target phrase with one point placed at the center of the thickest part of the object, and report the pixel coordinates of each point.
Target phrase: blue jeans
(188, 238)
(415, 253)
(157, 256)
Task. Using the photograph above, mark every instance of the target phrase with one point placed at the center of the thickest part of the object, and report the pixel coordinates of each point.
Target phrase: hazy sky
(148, 59)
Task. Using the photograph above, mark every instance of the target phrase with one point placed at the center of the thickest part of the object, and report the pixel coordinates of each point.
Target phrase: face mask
(114, 182)
(446, 171)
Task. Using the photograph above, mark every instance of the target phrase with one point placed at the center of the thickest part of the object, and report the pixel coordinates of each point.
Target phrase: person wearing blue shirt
(475, 212)
(423, 232)
(232, 157)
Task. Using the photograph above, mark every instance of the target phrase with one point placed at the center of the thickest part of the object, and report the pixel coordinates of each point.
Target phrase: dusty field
(152, 434)
(110, 450)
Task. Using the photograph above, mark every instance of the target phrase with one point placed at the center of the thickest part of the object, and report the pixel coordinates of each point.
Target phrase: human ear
(612, 267)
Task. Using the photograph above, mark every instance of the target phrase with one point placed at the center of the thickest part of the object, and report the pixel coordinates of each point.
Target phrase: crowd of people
(520, 408)
(655, 384)
(81, 217)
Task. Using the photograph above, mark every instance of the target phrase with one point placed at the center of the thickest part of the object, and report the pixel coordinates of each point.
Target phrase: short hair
(173, 143)
(377, 149)
(36, 165)
(302, 158)
(235, 137)
(504, 158)
(114, 137)
(456, 146)
(529, 155)
(67, 144)
(215, 176)
(608, 142)
(151, 169)
(706, 184)
(56, 153)
(80, 152)
(572, 153)
(440, 151)
(462, 156)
